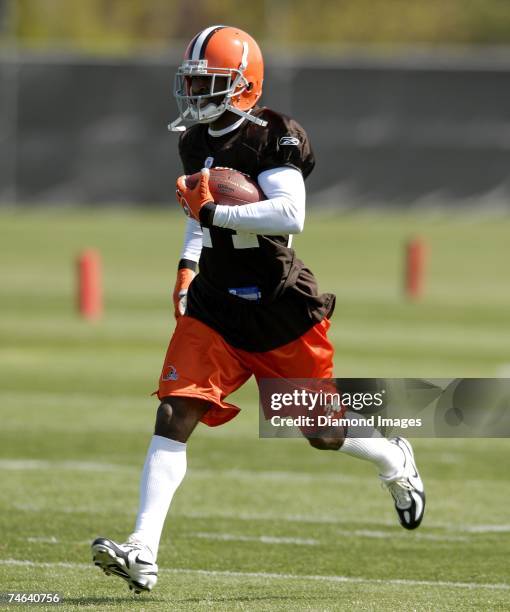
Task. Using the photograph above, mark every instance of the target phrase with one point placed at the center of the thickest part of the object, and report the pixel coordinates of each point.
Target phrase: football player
(253, 308)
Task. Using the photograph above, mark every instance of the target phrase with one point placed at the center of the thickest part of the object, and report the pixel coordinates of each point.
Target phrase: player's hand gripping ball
(219, 185)
(193, 197)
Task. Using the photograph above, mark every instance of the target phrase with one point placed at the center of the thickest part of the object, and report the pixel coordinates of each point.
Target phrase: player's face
(201, 86)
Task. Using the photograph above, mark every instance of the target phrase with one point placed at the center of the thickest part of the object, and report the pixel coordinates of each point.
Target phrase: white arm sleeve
(192, 246)
(282, 213)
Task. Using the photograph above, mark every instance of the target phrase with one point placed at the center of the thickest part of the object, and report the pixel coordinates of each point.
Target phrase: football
(230, 187)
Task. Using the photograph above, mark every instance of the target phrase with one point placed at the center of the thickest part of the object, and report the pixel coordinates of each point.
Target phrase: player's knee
(177, 417)
(326, 443)
(164, 415)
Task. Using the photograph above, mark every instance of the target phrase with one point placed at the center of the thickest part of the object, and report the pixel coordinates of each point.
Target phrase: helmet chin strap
(246, 115)
(175, 127)
(195, 117)
(206, 114)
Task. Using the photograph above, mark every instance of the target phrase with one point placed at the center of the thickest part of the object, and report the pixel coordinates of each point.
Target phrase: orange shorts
(199, 363)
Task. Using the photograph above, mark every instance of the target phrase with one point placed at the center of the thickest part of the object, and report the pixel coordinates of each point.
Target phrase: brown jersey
(253, 289)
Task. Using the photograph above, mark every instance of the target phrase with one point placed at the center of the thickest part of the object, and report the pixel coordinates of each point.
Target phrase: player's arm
(190, 254)
(282, 213)
(285, 159)
(192, 244)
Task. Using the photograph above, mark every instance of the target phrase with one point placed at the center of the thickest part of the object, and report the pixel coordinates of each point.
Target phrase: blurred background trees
(124, 25)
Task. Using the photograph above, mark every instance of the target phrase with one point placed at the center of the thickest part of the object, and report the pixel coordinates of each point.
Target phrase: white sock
(164, 469)
(387, 457)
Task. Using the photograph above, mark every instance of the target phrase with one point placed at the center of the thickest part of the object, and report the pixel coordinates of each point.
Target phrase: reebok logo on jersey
(289, 140)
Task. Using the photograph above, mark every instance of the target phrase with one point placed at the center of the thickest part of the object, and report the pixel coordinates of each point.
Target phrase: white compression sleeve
(192, 246)
(282, 213)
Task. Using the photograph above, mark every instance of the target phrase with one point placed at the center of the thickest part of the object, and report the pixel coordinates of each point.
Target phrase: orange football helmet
(219, 51)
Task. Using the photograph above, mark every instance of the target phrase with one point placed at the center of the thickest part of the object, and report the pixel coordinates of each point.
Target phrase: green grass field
(257, 524)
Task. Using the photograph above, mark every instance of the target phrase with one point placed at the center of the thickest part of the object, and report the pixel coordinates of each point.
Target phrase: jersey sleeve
(287, 145)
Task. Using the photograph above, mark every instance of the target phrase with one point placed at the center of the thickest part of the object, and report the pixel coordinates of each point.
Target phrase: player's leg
(311, 356)
(165, 465)
(394, 460)
(199, 371)
(163, 472)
